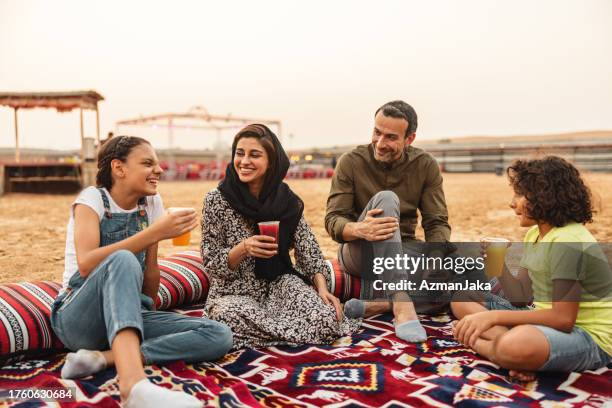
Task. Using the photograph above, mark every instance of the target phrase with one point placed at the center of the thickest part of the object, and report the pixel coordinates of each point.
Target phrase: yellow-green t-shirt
(572, 253)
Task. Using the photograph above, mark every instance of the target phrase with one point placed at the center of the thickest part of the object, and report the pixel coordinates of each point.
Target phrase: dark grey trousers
(356, 259)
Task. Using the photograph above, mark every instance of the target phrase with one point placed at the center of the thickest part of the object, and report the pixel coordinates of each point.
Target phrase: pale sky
(469, 67)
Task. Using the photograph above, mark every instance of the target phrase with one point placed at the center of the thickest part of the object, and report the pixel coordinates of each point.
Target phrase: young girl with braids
(105, 309)
(563, 270)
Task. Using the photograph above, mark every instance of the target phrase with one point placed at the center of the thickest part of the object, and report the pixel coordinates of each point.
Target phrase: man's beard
(387, 157)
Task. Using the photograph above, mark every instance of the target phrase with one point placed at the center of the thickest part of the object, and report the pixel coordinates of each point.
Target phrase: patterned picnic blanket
(372, 368)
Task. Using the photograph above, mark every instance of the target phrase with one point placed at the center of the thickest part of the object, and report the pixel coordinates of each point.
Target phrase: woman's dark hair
(262, 134)
(116, 148)
(554, 190)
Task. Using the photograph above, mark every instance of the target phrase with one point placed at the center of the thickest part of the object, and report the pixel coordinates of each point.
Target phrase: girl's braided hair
(554, 189)
(116, 148)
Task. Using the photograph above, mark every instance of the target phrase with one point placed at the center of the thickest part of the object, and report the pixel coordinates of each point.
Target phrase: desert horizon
(577, 136)
(34, 225)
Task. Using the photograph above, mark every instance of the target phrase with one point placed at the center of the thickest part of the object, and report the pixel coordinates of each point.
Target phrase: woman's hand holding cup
(261, 246)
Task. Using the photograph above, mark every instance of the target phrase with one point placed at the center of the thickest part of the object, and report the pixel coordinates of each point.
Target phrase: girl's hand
(330, 299)
(469, 329)
(260, 246)
(174, 224)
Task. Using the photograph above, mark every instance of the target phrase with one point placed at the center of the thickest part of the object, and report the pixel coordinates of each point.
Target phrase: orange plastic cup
(183, 239)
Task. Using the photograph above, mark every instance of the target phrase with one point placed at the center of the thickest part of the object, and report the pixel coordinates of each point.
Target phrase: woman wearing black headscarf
(255, 287)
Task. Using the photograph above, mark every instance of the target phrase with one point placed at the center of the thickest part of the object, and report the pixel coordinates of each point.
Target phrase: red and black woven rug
(372, 368)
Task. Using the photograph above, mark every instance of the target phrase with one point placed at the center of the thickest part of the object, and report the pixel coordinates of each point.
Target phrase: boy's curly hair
(554, 190)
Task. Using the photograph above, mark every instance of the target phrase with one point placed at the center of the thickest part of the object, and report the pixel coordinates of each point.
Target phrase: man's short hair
(400, 110)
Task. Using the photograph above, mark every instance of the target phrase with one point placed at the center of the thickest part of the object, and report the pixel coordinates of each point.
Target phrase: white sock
(145, 394)
(83, 363)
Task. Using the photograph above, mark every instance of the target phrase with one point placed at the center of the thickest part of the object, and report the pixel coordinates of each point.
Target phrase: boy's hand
(469, 329)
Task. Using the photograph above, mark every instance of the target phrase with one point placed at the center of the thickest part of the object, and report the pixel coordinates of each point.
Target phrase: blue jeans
(574, 351)
(109, 300)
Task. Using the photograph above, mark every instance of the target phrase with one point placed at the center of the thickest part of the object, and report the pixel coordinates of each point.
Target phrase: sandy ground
(33, 227)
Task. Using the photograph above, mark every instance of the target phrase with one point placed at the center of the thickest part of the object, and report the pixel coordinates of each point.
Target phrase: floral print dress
(263, 313)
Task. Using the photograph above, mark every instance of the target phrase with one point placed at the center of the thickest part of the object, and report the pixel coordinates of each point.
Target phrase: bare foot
(522, 376)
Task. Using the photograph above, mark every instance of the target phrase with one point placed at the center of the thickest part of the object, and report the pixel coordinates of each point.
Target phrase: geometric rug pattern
(371, 368)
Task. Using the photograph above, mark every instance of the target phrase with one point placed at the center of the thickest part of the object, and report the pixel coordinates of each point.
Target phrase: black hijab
(276, 202)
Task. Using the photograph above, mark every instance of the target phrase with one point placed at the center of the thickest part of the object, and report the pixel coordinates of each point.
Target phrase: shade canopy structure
(202, 118)
(60, 101)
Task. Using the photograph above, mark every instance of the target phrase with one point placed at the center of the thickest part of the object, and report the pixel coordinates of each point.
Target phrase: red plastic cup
(269, 228)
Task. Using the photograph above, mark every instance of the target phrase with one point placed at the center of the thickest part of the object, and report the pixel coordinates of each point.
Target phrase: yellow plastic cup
(496, 254)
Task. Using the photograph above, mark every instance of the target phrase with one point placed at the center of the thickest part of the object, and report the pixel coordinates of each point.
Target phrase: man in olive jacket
(375, 194)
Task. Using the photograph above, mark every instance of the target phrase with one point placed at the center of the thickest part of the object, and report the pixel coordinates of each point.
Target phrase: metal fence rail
(589, 157)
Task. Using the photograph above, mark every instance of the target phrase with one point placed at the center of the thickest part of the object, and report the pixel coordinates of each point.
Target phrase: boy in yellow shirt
(563, 271)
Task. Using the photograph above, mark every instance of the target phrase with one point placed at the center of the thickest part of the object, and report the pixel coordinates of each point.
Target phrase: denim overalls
(92, 310)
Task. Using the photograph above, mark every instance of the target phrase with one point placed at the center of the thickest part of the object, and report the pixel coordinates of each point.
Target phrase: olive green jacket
(415, 178)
